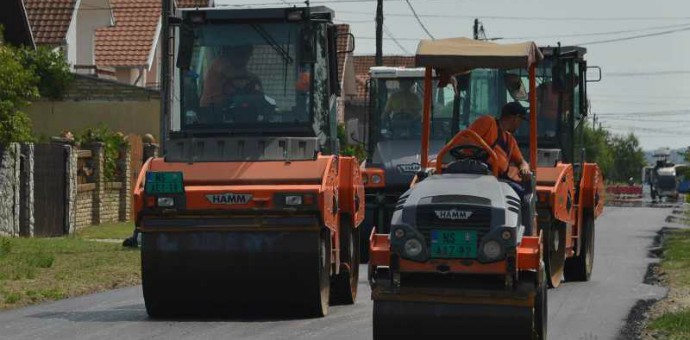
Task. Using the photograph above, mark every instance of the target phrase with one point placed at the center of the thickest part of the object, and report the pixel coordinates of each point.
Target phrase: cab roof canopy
(457, 55)
(241, 13)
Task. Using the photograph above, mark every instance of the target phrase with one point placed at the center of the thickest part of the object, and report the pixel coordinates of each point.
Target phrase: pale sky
(644, 87)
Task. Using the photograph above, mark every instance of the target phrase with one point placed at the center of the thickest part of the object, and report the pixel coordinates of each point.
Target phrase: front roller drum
(422, 320)
(245, 274)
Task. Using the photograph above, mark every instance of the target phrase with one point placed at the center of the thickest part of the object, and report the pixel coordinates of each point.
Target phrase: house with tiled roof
(132, 46)
(346, 71)
(357, 101)
(69, 25)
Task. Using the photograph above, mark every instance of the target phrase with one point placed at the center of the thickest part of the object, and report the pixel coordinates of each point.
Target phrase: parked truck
(249, 209)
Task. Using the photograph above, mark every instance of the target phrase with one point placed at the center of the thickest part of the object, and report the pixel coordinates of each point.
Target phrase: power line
(687, 28)
(419, 20)
(390, 35)
(598, 33)
(498, 17)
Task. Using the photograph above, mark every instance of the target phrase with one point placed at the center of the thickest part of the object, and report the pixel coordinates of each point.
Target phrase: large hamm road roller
(570, 191)
(250, 210)
(463, 256)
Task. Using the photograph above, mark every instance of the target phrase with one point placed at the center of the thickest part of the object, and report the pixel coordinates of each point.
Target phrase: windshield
(244, 75)
(401, 104)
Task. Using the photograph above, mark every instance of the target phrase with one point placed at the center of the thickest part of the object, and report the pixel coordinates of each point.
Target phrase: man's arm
(518, 160)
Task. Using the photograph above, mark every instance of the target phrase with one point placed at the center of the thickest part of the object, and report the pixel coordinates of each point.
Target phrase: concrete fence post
(124, 166)
(98, 152)
(26, 209)
(9, 189)
(72, 168)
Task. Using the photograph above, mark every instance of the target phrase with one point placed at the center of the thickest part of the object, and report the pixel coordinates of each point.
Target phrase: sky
(643, 48)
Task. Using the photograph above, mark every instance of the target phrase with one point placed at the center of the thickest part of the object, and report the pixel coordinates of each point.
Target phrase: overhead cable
(419, 20)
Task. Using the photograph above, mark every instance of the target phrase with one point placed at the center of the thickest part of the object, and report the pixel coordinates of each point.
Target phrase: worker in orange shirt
(498, 133)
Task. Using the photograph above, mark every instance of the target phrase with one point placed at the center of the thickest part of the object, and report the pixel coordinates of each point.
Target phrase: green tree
(597, 149)
(26, 74)
(17, 88)
(629, 158)
(51, 68)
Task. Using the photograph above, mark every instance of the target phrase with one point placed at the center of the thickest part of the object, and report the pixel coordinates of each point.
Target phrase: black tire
(541, 310)
(579, 268)
(319, 304)
(344, 285)
(554, 252)
(364, 232)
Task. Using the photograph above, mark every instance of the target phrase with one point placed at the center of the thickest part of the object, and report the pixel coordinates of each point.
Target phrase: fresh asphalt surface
(594, 310)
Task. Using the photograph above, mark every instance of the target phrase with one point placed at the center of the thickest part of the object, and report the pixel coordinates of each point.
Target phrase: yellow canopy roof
(456, 55)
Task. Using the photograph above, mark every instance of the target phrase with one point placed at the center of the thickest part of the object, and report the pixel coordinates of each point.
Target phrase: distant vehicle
(661, 178)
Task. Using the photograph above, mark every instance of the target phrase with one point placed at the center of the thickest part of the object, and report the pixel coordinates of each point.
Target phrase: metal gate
(50, 190)
(136, 146)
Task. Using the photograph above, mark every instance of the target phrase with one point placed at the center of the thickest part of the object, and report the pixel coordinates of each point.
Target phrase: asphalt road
(594, 310)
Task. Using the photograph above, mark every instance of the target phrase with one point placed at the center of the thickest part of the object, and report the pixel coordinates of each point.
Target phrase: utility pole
(475, 29)
(379, 33)
(165, 74)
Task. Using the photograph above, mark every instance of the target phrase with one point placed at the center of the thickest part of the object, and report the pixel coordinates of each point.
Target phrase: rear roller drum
(554, 252)
(344, 285)
(579, 268)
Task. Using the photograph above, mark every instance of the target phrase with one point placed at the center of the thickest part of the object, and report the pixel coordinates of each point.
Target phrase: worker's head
(238, 56)
(512, 115)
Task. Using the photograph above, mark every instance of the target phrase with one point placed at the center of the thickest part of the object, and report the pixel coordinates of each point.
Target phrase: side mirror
(595, 72)
(353, 131)
(351, 38)
(184, 54)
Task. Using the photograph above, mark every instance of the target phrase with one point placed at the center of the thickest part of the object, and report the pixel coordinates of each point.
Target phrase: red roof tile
(130, 41)
(50, 19)
(192, 3)
(363, 63)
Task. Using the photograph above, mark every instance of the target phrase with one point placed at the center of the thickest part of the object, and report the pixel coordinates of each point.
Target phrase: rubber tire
(344, 285)
(554, 260)
(579, 268)
(541, 310)
(320, 303)
(363, 232)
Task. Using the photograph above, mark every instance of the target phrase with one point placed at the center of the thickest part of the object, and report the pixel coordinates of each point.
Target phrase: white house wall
(92, 14)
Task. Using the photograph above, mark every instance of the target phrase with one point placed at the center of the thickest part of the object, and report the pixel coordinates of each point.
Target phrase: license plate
(164, 183)
(453, 244)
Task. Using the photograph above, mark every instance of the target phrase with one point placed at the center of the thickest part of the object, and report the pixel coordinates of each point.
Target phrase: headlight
(166, 202)
(293, 200)
(399, 233)
(412, 247)
(376, 179)
(492, 250)
(506, 234)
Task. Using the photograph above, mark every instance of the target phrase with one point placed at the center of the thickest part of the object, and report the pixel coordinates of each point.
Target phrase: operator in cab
(404, 104)
(498, 133)
(228, 76)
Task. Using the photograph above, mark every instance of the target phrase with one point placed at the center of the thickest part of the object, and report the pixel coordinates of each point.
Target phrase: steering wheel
(247, 107)
(404, 126)
(460, 152)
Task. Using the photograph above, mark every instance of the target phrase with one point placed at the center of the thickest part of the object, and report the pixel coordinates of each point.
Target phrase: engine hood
(460, 190)
(400, 159)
